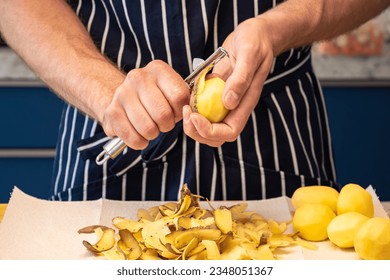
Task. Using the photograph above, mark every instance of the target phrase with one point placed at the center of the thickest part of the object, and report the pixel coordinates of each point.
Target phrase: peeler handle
(111, 150)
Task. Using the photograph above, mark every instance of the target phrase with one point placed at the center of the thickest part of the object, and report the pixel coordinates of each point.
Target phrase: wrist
(100, 88)
(90, 85)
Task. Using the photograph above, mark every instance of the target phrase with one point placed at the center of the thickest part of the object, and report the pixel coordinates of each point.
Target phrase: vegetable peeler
(115, 146)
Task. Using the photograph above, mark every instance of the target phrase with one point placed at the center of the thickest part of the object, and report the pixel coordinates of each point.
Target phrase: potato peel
(105, 242)
(186, 231)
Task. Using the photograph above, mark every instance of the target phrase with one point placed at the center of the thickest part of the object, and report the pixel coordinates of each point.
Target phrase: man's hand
(248, 65)
(149, 101)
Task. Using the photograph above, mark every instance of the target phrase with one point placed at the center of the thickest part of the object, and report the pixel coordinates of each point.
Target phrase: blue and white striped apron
(285, 144)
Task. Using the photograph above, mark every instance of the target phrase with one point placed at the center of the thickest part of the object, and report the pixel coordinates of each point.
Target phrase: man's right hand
(149, 101)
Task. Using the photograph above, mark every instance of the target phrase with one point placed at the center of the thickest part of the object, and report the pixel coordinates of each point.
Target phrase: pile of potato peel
(184, 230)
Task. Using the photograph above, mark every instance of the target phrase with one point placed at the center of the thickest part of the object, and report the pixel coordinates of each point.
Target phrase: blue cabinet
(29, 118)
(359, 119)
(32, 175)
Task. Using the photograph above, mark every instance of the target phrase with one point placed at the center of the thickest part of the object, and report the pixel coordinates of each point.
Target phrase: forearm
(54, 43)
(299, 22)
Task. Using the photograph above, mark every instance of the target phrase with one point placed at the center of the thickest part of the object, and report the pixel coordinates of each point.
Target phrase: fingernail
(186, 114)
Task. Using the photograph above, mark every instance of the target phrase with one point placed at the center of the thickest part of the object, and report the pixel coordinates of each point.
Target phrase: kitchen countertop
(329, 69)
(338, 68)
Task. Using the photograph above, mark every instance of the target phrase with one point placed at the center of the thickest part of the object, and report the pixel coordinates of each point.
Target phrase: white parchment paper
(47, 230)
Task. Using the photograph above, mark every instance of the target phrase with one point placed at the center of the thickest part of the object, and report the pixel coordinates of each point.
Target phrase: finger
(172, 85)
(191, 131)
(223, 68)
(117, 124)
(215, 132)
(240, 79)
(137, 114)
(235, 121)
(157, 106)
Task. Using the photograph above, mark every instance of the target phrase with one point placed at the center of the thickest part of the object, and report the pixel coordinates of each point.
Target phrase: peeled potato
(206, 97)
(372, 241)
(311, 220)
(342, 229)
(315, 194)
(353, 197)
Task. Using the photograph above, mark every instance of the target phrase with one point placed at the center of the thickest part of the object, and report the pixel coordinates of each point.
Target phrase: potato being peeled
(206, 96)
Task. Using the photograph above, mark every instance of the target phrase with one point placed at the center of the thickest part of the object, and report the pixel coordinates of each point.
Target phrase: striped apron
(285, 144)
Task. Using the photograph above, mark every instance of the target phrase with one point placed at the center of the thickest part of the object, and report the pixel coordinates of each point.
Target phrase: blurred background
(354, 70)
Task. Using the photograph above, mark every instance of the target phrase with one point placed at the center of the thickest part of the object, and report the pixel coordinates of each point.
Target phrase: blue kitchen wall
(359, 120)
